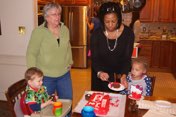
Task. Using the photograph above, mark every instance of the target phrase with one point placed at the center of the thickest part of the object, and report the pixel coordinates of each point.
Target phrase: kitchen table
(139, 112)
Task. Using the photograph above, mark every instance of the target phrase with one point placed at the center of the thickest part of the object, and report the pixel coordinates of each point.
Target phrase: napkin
(146, 104)
(156, 113)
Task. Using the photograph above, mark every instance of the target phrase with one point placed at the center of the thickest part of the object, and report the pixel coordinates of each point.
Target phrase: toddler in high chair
(138, 83)
(36, 94)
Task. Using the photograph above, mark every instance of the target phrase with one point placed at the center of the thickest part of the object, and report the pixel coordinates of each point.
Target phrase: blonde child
(137, 77)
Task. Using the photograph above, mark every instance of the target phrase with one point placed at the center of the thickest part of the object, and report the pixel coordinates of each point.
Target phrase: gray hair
(49, 6)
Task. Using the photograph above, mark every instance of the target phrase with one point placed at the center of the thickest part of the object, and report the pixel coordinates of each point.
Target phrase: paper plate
(116, 89)
(163, 103)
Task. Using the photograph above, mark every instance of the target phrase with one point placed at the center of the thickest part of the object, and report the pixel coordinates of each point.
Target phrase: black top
(118, 60)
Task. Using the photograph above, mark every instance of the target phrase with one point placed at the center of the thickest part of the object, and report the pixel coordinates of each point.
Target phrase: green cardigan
(45, 53)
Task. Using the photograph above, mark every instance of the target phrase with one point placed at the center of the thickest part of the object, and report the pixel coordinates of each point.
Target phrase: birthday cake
(100, 103)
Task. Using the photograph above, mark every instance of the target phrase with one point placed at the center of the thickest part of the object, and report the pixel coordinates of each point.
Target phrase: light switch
(21, 30)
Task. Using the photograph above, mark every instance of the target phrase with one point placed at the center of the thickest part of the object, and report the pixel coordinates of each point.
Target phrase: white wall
(14, 13)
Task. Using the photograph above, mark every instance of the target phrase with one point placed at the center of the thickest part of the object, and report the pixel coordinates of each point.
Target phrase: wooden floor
(165, 86)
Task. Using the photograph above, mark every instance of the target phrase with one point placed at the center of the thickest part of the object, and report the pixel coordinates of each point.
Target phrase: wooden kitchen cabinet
(158, 11)
(159, 54)
(174, 59)
(165, 11)
(65, 1)
(155, 59)
(146, 50)
(45, 1)
(74, 2)
(86, 2)
(162, 56)
(166, 55)
(174, 13)
(147, 12)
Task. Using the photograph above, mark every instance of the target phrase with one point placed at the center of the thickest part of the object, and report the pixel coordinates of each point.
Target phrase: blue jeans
(62, 85)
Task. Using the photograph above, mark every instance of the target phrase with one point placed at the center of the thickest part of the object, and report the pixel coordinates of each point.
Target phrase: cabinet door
(159, 11)
(165, 10)
(165, 55)
(147, 12)
(174, 12)
(146, 50)
(75, 2)
(83, 2)
(174, 59)
(45, 1)
(155, 63)
(65, 1)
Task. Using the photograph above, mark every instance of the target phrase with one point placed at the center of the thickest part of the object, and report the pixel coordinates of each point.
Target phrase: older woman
(111, 47)
(49, 49)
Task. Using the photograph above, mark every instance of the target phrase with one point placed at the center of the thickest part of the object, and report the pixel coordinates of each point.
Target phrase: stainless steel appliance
(74, 17)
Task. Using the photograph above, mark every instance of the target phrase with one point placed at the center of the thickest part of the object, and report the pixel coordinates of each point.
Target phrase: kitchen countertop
(154, 39)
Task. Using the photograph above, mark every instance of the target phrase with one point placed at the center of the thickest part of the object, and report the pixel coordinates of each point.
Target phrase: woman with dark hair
(111, 48)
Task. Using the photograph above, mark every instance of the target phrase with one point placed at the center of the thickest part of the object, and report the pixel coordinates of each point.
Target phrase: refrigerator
(74, 17)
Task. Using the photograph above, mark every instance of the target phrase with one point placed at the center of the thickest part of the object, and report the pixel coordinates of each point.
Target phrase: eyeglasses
(55, 14)
(110, 9)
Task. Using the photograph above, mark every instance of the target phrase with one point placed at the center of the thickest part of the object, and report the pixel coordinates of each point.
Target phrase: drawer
(146, 43)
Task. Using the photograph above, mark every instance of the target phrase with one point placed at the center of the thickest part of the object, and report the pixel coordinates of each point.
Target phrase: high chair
(13, 95)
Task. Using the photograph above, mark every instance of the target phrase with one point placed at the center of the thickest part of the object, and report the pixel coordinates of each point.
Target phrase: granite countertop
(158, 39)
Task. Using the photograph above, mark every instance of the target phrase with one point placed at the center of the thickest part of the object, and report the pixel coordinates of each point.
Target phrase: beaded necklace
(108, 41)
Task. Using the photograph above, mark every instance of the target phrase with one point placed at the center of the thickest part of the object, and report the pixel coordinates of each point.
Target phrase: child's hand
(124, 82)
(53, 97)
(49, 102)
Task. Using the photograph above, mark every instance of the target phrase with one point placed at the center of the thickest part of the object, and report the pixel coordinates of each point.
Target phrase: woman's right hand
(104, 76)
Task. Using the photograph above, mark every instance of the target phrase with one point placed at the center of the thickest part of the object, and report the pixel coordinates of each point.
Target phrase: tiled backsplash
(158, 28)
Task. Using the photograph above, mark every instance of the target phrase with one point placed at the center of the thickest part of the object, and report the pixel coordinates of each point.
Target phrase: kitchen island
(160, 54)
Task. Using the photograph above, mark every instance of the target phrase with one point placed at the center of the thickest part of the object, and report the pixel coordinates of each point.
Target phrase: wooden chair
(153, 78)
(13, 94)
